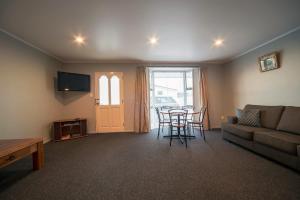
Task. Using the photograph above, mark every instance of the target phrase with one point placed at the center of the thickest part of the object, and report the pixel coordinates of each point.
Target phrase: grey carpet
(129, 166)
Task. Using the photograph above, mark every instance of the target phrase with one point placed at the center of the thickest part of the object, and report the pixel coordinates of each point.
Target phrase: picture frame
(269, 62)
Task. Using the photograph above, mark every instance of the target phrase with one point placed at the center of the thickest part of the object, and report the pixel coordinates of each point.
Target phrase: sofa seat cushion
(279, 140)
(245, 132)
(269, 115)
(290, 120)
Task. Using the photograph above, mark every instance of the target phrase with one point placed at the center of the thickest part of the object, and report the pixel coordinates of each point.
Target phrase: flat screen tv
(73, 82)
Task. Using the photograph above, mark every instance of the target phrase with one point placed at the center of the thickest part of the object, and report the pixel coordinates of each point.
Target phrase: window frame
(185, 89)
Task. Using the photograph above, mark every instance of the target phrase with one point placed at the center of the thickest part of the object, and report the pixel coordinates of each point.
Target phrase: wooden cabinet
(69, 129)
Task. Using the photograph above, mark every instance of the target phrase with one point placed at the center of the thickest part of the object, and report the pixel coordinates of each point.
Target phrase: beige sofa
(278, 137)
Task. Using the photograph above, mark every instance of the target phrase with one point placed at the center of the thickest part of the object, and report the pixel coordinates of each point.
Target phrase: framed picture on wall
(269, 62)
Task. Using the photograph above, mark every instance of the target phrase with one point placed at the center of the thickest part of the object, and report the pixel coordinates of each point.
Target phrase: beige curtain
(141, 107)
(204, 96)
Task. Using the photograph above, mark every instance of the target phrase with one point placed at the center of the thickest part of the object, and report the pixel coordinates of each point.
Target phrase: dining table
(179, 113)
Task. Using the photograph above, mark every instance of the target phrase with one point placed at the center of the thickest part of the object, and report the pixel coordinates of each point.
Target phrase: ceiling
(117, 30)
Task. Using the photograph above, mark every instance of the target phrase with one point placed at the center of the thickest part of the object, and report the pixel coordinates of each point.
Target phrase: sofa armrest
(232, 120)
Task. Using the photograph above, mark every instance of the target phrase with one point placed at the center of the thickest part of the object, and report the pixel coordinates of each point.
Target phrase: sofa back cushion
(269, 115)
(290, 120)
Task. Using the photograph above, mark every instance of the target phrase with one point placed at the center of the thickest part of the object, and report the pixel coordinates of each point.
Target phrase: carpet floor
(130, 166)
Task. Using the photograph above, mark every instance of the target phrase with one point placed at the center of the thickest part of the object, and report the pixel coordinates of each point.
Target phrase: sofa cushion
(249, 117)
(279, 140)
(269, 115)
(245, 132)
(290, 120)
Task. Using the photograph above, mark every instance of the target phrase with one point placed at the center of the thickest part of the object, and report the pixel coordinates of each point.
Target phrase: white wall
(245, 84)
(28, 102)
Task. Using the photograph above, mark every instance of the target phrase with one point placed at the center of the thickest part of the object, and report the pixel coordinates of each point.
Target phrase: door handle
(97, 101)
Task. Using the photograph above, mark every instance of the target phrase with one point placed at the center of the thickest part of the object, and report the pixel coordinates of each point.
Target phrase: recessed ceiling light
(79, 39)
(153, 40)
(218, 42)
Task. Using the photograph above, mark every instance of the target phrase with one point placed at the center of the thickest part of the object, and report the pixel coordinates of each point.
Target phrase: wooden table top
(12, 145)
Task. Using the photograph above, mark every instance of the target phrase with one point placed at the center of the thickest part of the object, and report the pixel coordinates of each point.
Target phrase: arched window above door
(103, 90)
(115, 90)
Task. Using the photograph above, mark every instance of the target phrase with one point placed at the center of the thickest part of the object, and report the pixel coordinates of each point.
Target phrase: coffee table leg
(38, 157)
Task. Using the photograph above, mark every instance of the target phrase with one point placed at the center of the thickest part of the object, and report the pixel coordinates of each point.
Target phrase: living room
(149, 100)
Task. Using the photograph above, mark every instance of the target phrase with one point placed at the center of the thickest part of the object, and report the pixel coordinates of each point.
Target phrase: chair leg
(203, 132)
(171, 129)
(185, 137)
(193, 129)
(189, 130)
(158, 131)
(178, 133)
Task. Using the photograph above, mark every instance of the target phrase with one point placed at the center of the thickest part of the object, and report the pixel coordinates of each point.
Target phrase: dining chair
(178, 122)
(166, 109)
(161, 121)
(190, 108)
(198, 123)
(190, 119)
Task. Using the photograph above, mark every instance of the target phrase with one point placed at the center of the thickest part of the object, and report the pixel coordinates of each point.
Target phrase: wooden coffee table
(13, 150)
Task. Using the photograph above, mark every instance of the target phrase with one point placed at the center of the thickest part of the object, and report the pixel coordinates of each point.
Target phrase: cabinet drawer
(10, 158)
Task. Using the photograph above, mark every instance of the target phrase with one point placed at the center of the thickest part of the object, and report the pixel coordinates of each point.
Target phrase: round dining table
(179, 113)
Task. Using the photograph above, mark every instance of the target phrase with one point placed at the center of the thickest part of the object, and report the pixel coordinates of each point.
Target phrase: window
(103, 90)
(170, 87)
(115, 90)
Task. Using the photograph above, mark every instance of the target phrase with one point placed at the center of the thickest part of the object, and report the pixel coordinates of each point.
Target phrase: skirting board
(95, 132)
(215, 129)
(212, 129)
(46, 140)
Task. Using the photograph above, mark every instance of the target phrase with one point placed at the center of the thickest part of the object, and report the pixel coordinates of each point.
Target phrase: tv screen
(73, 82)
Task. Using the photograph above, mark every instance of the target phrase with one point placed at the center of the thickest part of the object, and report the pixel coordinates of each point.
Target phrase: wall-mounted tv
(73, 82)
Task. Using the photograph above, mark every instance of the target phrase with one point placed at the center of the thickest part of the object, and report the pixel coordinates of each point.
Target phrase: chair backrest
(158, 113)
(202, 114)
(184, 119)
(171, 114)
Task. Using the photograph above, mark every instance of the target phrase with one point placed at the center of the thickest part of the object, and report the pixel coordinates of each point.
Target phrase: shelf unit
(69, 129)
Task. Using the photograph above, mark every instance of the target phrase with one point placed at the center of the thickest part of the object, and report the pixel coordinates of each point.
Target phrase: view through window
(170, 88)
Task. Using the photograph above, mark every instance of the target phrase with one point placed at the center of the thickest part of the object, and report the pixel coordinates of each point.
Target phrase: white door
(109, 102)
